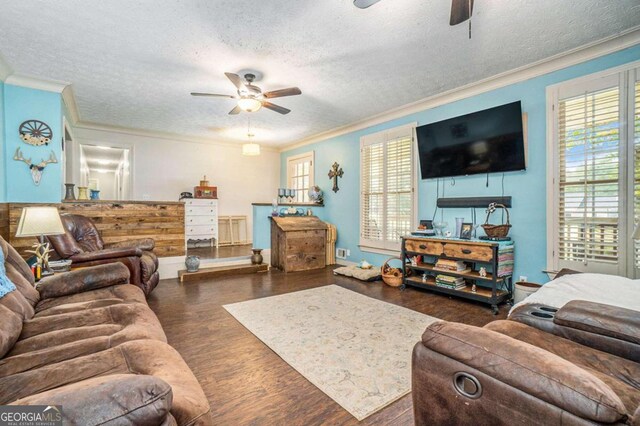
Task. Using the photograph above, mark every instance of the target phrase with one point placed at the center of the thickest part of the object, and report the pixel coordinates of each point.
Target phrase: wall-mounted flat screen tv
(481, 142)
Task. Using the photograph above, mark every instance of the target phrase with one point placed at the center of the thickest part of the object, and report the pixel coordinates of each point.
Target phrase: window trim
(384, 246)
(294, 159)
(626, 73)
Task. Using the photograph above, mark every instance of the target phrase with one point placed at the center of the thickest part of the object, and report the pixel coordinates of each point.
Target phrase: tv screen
(481, 142)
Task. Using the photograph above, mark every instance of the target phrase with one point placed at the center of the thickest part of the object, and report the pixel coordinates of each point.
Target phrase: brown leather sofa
(577, 365)
(83, 245)
(88, 341)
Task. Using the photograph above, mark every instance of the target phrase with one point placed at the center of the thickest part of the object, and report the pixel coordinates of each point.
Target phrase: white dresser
(201, 220)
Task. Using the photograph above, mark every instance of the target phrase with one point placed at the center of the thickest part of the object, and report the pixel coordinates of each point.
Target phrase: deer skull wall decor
(36, 169)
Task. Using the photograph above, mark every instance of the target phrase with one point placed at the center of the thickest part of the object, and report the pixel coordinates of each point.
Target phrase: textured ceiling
(133, 63)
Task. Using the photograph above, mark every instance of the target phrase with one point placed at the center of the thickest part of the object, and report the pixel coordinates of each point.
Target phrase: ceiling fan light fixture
(249, 104)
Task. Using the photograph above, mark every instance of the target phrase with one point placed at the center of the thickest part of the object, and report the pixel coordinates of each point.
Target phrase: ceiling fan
(461, 10)
(250, 97)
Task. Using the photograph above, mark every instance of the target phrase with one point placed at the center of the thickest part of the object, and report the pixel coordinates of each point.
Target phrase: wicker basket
(391, 276)
(496, 231)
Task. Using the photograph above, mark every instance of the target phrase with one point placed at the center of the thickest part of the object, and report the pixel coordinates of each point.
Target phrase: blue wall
(3, 177)
(528, 188)
(20, 104)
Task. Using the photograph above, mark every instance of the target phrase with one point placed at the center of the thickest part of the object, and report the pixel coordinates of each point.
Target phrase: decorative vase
(69, 193)
(95, 194)
(256, 257)
(82, 193)
(192, 263)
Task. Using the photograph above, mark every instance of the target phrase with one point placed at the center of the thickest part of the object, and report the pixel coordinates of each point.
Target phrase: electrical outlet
(348, 253)
(146, 197)
(523, 278)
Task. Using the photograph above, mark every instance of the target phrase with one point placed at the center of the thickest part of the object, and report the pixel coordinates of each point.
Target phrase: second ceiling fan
(250, 97)
(461, 10)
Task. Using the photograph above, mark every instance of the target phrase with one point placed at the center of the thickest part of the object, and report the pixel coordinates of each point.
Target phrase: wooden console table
(496, 257)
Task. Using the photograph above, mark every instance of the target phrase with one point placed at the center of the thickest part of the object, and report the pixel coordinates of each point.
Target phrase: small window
(300, 175)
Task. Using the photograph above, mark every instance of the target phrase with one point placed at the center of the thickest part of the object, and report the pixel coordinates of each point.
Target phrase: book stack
(451, 266)
(455, 283)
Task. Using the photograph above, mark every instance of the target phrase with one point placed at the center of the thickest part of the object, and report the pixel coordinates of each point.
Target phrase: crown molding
(557, 62)
(36, 83)
(174, 137)
(5, 69)
(69, 99)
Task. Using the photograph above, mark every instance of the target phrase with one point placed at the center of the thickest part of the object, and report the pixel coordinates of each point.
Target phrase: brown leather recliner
(83, 245)
(584, 370)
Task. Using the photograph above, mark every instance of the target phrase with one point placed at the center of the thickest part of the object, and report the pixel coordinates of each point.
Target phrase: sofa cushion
(149, 357)
(19, 273)
(125, 399)
(116, 294)
(620, 374)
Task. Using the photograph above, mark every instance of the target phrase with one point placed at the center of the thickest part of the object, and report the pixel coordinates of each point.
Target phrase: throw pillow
(6, 286)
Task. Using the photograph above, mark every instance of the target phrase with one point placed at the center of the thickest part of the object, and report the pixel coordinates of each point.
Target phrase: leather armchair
(512, 373)
(83, 245)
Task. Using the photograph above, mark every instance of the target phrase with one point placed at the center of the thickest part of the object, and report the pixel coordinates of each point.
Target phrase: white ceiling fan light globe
(249, 104)
(363, 4)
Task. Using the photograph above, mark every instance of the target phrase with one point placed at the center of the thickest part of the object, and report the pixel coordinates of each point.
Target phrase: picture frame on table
(466, 231)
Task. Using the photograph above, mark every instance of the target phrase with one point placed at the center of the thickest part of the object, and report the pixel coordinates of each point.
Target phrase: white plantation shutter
(596, 174)
(386, 187)
(589, 189)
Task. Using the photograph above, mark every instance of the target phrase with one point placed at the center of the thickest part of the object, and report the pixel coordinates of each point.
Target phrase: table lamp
(38, 222)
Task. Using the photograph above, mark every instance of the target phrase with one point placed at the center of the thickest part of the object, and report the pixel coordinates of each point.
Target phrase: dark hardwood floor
(246, 382)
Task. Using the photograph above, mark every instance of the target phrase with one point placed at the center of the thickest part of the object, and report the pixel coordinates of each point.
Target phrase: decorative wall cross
(335, 172)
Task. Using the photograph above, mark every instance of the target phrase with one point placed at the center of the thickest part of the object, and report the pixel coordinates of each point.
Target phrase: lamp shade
(37, 221)
(636, 233)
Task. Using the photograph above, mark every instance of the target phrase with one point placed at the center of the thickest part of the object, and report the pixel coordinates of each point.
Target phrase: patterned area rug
(356, 349)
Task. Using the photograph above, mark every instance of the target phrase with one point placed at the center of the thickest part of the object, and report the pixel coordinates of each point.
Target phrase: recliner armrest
(144, 244)
(84, 279)
(532, 370)
(598, 318)
(122, 399)
(106, 254)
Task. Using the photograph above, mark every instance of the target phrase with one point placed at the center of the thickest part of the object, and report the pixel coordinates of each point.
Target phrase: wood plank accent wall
(4, 220)
(119, 221)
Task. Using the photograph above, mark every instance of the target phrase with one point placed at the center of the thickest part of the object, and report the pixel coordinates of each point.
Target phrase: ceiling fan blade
(276, 108)
(215, 95)
(461, 10)
(236, 80)
(235, 111)
(291, 91)
(363, 4)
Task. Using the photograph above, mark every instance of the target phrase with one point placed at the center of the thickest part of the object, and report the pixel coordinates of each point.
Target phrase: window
(300, 175)
(595, 200)
(387, 180)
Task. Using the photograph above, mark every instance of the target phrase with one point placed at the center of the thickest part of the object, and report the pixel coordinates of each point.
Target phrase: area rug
(356, 349)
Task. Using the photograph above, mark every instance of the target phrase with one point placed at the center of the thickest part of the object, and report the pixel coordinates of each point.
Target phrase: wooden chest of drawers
(201, 220)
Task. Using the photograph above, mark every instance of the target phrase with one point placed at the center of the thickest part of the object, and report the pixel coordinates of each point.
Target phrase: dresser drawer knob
(422, 246)
(466, 251)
